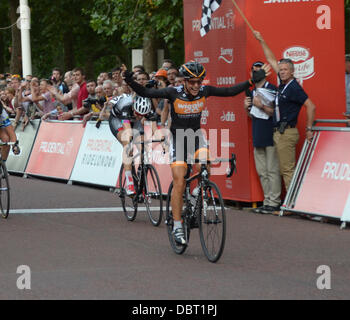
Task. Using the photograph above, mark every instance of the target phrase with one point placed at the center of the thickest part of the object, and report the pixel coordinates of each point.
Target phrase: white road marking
(75, 210)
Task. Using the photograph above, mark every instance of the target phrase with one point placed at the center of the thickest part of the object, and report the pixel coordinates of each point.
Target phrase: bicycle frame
(142, 181)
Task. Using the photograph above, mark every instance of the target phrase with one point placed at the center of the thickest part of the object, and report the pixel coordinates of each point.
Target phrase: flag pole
(243, 16)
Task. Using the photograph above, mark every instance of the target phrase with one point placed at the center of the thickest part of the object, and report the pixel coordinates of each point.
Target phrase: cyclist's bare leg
(178, 172)
(202, 154)
(124, 137)
(6, 136)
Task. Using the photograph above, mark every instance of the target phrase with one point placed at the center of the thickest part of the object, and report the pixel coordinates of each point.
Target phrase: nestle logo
(296, 54)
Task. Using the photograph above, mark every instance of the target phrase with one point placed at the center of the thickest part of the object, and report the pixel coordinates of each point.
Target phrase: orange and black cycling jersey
(186, 109)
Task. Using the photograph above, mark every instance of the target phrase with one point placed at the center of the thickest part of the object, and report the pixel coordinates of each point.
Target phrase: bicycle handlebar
(232, 162)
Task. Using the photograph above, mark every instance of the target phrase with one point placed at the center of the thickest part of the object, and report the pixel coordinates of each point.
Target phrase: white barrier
(99, 158)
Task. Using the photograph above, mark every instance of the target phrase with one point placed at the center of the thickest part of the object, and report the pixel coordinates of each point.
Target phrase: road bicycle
(4, 184)
(204, 210)
(147, 187)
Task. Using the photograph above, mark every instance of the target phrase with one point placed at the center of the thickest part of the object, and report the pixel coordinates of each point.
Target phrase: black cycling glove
(258, 75)
(128, 76)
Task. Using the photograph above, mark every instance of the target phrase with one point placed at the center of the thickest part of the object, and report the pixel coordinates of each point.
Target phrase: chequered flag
(208, 7)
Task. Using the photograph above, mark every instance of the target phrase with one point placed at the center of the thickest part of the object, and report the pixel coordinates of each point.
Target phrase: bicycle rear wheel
(4, 191)
(129, 203)
(212, 222)
(153, 191)
(178, 249)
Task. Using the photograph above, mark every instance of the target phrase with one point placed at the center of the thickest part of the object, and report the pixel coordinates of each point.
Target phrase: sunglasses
(193, 82)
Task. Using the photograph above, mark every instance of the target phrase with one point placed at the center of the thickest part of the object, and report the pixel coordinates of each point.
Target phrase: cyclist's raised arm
(143, 91)
(238, 88)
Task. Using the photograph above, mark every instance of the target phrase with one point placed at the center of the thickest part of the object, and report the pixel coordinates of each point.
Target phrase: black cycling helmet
(192, 69)
(121, 103)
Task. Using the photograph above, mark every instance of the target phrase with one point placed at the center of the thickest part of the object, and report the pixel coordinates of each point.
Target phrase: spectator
(56, 79)
(290, 98)
(4, 101)
(3, 83)
(69, 99)
(172, 73)
(9, 100)
(54, 114)
(162, 78)
(15, 82)
(265, 154)
(138, 69)
(116, 77)
(142, 78)
(103, 76)
(123, 89)
(68, 79)
(24, 104)
(152, 75)
(108, 88)
(167, 63)
(179, 81)
(99, 92)
(43, 98)
(93, 103)
(79, 79)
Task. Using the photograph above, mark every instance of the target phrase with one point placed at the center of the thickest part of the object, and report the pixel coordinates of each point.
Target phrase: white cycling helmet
(142, 105)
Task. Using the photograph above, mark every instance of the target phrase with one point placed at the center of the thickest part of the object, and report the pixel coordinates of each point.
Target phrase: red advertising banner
(326, 185)
(311, 33)
(223, 53)
(55, 149)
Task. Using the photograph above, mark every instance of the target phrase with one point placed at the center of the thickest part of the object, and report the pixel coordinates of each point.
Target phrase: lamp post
(24, 25)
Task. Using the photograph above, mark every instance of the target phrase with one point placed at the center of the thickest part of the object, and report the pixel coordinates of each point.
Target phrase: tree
(64, 38)
(16, 55)
(152, 21)
(5, 36)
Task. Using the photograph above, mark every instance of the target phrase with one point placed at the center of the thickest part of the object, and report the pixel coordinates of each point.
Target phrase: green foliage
(133, 17)
(5, 36)
(103, 31)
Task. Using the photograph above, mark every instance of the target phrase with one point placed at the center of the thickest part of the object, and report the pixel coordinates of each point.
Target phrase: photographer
(160, 82)
(93, 103)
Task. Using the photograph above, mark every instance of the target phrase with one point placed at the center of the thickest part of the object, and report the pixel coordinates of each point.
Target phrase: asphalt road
(93, 254)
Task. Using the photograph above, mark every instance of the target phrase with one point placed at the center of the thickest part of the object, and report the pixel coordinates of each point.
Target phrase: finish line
(76, 210)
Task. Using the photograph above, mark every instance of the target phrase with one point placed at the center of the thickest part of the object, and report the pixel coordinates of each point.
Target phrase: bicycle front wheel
(4, 191)
(212, 222)
(129, 204)
(153, 193)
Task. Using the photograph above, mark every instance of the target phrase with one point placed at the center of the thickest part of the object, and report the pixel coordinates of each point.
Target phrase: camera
(152, 84)
(87, 103)
(101, 101)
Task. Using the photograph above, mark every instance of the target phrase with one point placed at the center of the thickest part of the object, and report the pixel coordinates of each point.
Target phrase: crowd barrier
(99, 158)
(18, 163)
(321, 182)
(55, 149)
